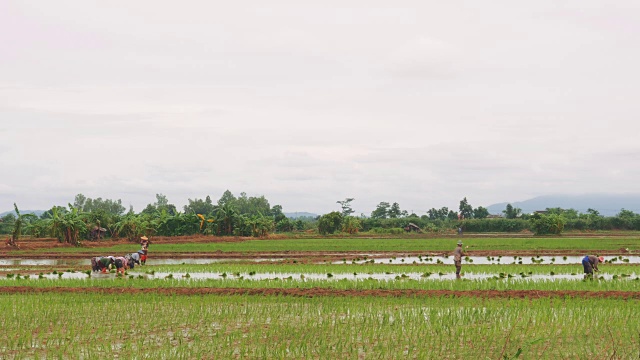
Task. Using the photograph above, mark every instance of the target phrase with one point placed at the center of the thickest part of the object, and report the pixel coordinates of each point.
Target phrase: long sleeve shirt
(594, 262)
(457, 254)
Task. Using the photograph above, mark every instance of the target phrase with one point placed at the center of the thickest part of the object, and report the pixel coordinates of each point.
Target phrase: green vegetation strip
(540, 269)
(401, 283)
(374, 245)
(153, 326)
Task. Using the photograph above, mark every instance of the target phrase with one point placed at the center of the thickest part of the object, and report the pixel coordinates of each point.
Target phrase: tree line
(94, 219)
(391, 219)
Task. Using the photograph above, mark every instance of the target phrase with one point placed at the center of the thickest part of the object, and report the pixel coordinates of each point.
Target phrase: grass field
(373, 245)
(152, 326)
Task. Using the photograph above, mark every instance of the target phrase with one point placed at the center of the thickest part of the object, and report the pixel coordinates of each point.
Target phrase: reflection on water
(480, 260)
(488, 260)
(150, 261)
(327, 277)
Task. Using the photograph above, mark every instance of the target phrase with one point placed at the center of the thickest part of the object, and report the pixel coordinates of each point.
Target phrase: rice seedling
(324, 327)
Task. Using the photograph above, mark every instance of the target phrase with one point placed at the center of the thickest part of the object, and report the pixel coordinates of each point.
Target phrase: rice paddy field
(519, 298)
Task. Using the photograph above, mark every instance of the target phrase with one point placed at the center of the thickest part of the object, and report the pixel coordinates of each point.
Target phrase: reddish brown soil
(517, 294)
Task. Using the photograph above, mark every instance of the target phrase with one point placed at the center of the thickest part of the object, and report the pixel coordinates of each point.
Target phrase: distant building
(412, 227)
(492, 216)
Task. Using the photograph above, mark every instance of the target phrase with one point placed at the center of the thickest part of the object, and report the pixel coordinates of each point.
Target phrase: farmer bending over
(121, 264)
(105, 262)
(590, 263)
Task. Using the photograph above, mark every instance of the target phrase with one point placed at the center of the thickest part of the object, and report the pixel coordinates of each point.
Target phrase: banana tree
(19, 223)
(261, 225)
(205, 224)
(226, 216)
(130, 226)
(67, 227)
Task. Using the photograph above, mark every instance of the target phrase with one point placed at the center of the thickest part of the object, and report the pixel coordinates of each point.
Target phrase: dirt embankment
(313, 292)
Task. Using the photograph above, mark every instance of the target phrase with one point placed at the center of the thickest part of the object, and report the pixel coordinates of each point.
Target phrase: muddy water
(505, 260)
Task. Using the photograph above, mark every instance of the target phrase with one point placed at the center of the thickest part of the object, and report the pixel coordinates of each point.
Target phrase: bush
(330, 223)
(542, 224)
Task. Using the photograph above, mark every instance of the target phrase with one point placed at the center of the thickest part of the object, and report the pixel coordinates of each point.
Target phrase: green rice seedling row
(152, 326)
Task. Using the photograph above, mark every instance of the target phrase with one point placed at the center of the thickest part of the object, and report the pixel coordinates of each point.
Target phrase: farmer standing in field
(457, 258)
(144, 243)
(590, 263)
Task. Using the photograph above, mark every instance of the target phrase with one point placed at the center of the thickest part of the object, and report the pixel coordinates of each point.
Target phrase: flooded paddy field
(348, 304)
(359, 259)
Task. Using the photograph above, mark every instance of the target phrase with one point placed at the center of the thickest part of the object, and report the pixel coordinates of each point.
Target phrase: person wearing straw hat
(590, 264)
(457, 258)
(144, 242)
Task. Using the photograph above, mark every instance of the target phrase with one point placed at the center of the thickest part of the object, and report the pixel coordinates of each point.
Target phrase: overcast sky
(309, 102)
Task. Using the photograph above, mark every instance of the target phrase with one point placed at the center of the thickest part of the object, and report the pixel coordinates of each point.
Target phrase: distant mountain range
(606, 204)
(36, 212)
(295, 215)
(290, 215)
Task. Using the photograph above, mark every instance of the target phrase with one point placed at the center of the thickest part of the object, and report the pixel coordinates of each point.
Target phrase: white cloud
(307, 103)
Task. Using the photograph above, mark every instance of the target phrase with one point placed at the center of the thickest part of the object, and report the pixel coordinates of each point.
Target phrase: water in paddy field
(488, 260)
(480, 260)
(317, 276)
(87, 262)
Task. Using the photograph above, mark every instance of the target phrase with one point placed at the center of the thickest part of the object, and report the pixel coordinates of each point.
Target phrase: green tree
(19, 223)
(593, 212)
(226, 198)
(278, 215)
(381, 211)
(351, 225)
(261, 225)
(438, 214)
(199, 206)
(395, 212)
(480, 213)
(544, 224)
(330, 223)
(67, 226)
(226, 216)
(131, 226)
(346, 206)
(510, 212)
(6, 223)
(79, 201)
(566, 213)
(161, 204)
(113, 207)
(466, 210)
(284, 225)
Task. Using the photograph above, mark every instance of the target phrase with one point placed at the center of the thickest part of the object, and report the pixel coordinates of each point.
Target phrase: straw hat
(459, 242)
(144, 238)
